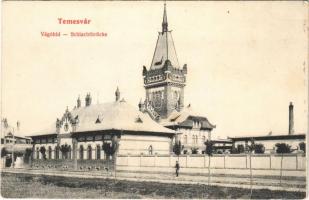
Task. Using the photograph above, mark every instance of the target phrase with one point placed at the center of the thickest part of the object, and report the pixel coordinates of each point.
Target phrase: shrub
(283, 148)
(259, 148)
(302, 146)
(194, 150)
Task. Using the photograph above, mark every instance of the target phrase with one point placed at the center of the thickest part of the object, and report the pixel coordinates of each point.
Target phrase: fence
(71, 164)
(219, 161)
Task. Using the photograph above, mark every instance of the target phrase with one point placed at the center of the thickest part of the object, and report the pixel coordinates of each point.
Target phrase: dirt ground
(42, 186)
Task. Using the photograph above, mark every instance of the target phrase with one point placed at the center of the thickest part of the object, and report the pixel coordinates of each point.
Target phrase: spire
(164, 23)
(165, 48)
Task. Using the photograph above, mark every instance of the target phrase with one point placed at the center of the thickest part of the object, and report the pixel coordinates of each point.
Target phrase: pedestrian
(177, 168)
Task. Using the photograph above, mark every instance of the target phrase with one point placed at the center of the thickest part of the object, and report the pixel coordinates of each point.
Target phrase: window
(98, 152)
(81, 152)
(193, 139)
(89, 152)
(185, 139)
(150, 149)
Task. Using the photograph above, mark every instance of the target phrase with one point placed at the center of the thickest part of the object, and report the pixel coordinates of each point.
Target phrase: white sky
(246, 60)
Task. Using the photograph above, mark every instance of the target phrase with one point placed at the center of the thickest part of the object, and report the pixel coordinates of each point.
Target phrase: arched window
(49, 152)
(193, 139)
(150, 149)
(98, 152)
(89, 152)
(81, 152)
(185, 139)
(37, 153)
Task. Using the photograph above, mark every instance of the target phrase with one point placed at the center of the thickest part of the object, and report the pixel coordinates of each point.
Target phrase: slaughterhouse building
(83, 132)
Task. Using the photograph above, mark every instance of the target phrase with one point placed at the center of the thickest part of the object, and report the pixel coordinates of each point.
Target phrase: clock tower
(165, 80)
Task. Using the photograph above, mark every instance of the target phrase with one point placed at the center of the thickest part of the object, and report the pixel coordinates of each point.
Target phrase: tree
(209, 150)
(259, 149)
(302, 146)
(177, 148)
(4, 152)
(110, 149)
(28, 153)
(281, 149)
(43, 152)
(234, 149)
(64, 150)
(240, 148)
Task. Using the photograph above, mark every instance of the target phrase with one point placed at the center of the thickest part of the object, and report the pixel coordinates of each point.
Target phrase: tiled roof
(186, 118)
(117, 115)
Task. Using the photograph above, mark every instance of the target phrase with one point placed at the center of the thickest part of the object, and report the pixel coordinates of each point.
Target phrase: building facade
(100, 131)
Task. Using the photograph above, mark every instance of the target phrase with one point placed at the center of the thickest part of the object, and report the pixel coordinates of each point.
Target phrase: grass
(43, 186)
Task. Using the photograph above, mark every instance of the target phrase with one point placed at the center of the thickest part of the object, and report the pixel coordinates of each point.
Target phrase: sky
(246, 60)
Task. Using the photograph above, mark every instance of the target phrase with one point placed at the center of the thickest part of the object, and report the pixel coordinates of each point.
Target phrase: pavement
(288, 183)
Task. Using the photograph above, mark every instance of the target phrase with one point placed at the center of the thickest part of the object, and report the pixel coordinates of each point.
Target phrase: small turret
(17, 125)
(78, 102)
(141, 105)
(117, 94)
(88, 100)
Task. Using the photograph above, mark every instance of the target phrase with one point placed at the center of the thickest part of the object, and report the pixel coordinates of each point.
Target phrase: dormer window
(99, 120)
(138, 120)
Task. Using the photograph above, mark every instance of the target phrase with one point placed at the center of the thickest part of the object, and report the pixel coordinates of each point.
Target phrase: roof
(165, 48)
(186, 118)
(118, 115)
(270, 137)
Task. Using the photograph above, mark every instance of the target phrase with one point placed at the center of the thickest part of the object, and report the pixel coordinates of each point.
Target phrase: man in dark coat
(177, 168)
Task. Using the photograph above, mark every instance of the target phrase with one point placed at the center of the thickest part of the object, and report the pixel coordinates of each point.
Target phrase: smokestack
(291, 119)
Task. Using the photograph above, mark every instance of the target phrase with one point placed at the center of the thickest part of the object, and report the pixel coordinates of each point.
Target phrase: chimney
(291, 119)
(88, 100)
(117, 94)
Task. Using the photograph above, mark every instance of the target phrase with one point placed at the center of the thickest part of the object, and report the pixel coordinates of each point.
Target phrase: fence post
(270, 161)
(187, 160)
(204, 160)
(246, 161)
(169, 161)
(296, 156)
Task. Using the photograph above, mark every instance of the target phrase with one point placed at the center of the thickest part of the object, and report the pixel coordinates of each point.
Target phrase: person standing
(177, 168)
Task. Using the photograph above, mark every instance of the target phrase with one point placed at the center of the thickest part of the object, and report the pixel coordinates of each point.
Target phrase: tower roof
(165, 48)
